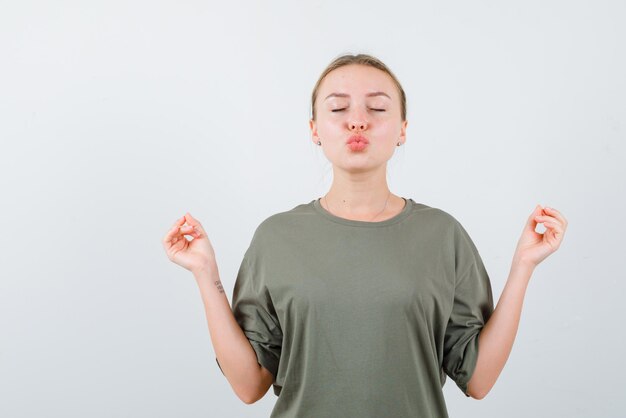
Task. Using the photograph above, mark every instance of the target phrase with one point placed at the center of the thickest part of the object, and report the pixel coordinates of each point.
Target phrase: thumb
(532, 223)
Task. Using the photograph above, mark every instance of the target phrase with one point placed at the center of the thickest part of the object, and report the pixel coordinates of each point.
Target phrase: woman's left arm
(495, 339)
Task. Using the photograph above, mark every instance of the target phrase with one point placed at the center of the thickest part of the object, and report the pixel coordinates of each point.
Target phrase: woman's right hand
(193, 255)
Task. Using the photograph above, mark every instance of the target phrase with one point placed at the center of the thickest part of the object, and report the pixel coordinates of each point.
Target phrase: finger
(556, 214)
(193, 222)
(180, 233)
(555, 228)
(174, 230)
(537, 211)
(189, 230)
(171, 237)
(531, 223)
(179, 221)
(547, 218)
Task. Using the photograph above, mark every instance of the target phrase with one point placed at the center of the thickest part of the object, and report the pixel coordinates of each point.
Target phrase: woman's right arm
(237, 359)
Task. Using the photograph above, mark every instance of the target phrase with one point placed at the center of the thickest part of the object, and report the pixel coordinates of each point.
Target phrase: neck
(358, 194)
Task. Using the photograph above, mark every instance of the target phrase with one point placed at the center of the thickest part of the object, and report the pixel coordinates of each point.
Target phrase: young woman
(360, 303)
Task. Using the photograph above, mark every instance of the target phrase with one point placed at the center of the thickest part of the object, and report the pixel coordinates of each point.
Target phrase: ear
(313, 127)
(403, 131)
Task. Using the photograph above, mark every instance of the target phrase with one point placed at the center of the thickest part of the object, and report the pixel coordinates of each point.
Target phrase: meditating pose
(359, 303)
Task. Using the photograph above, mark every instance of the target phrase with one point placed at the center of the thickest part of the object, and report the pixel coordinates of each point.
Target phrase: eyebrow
(376, 93)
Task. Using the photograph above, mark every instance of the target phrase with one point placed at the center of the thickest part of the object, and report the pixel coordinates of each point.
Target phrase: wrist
(523, 266)
(205, 271)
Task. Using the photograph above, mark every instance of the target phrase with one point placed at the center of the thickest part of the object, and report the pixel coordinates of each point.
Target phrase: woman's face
(358, 100)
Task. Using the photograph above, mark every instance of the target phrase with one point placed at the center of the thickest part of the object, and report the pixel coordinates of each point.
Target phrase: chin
(358, 166)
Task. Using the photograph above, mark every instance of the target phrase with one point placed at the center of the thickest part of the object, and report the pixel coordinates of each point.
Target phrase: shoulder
(282, 222)
(444, 224)
(436, 216)
(285, 218)
(456, 239)
(457, 234)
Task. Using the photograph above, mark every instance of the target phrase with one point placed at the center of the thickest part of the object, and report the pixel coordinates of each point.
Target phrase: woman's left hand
(533, 247)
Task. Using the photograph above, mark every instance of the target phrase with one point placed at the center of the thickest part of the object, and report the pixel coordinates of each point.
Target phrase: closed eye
(339, 110)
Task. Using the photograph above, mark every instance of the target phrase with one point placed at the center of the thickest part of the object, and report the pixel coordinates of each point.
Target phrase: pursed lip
(357, 138)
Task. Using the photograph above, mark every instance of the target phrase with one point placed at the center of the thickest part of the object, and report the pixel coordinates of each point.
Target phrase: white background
(117, 117)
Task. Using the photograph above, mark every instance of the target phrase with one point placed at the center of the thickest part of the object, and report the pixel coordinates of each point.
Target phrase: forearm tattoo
(219, 286)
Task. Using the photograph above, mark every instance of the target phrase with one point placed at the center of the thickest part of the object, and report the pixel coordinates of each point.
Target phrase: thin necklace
(328, 206)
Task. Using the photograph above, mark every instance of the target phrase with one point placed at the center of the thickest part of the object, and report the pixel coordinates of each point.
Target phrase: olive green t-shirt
(363, 319)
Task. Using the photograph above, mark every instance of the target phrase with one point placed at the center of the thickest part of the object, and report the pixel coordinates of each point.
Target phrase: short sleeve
(254, 312)
(472, 307)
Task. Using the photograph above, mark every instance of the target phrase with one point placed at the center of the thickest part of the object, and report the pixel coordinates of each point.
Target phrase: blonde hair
(362, 59)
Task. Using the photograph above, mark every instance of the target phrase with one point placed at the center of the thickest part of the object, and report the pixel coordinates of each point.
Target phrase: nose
(357, 124)
(357, 119)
